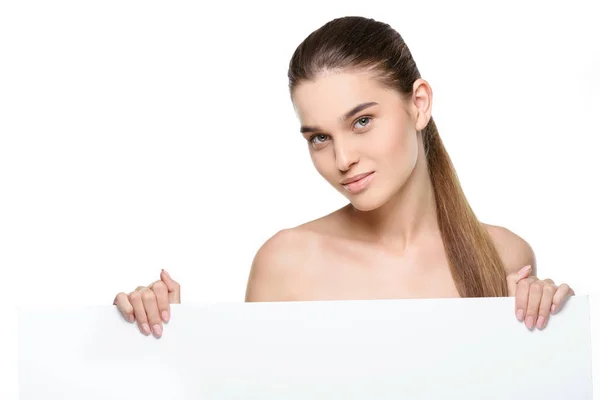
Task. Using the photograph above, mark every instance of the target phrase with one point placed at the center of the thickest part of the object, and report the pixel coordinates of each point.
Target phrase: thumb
(515, 277)
(172, 286)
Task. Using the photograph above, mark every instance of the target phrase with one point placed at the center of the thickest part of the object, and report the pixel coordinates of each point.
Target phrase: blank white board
(463, 349)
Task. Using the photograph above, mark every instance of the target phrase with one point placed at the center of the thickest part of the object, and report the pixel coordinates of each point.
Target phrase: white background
(137, 136)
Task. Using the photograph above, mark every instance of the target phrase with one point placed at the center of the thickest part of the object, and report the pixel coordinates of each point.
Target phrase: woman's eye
(363, 121)
(317, 139)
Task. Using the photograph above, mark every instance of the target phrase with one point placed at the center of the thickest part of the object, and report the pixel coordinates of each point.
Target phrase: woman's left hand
(535, 299)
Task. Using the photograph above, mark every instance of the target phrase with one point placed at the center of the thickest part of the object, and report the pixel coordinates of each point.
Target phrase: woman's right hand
(150, 305)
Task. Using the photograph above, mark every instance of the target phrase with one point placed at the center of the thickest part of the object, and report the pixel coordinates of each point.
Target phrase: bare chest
(361, 273)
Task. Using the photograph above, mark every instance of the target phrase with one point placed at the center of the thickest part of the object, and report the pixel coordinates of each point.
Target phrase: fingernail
(524, 270)
(529, 323)
(157, 330)
(520, 315)
(130, 318)
(540, 322)
(165, 316)
(166, 273)
(146, 328)
(553, 308)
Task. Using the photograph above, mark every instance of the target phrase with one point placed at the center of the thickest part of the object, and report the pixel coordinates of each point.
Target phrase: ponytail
(476, 266)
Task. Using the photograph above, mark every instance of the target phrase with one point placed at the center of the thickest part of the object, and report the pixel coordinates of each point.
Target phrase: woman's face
(362, 136)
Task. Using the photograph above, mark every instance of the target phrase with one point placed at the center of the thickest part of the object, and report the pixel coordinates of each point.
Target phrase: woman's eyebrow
(358, 109)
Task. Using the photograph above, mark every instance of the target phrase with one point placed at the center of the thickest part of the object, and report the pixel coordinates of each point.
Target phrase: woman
(408, 231)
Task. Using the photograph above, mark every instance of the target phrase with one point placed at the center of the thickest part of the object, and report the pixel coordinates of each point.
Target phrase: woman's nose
(346, 155)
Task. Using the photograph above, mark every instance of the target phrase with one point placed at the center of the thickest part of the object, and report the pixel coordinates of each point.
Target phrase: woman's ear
(422, 99)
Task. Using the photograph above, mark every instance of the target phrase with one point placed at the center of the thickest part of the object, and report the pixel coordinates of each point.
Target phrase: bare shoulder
(284, 266)
(277, 263)
(514, 251)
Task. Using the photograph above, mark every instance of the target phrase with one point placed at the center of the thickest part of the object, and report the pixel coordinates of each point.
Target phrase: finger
(513, 279)
(548, 291)
(522, 297)
(135, 298)
(172, 286)
(560, 297)
(162, 299)
(124, 306)
(151, 307)
(533, 303)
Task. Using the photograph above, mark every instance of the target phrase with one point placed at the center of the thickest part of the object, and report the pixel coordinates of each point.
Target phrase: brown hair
(355, 43)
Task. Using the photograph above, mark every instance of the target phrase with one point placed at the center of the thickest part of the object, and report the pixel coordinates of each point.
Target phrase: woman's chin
(366, 201)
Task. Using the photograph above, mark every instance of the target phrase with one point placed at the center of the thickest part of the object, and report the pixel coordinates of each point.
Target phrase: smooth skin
(385, 244)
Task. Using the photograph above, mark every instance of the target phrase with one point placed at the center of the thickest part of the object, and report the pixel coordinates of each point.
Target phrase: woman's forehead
(332, 95)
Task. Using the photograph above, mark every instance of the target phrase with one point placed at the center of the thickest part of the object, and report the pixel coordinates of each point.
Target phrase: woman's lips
(357, 183)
